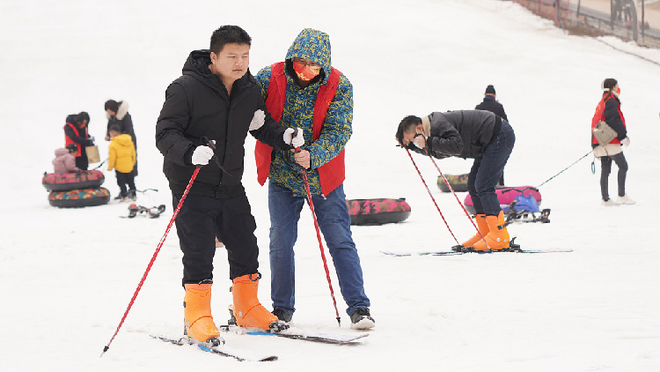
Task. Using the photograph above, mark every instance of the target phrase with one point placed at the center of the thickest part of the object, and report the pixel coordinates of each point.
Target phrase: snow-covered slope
(66, 275)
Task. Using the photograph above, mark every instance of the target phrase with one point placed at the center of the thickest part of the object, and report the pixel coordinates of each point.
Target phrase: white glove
(626, 141)
(294, 140)
(202, 155)
(258, 120)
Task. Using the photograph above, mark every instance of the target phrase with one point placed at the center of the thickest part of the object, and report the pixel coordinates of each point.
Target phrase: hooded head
(313, 45)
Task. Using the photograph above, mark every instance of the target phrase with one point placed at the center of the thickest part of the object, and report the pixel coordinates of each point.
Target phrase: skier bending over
(477, 134)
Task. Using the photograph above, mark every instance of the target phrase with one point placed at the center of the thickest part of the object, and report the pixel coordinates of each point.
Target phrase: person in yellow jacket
(121, 157)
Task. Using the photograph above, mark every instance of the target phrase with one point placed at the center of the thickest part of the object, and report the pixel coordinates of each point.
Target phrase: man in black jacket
(476, 134)
(491, 104)
(206, 116)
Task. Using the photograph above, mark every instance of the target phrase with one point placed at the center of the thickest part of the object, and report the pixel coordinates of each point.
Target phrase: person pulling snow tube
(72, 181)
(378, 211)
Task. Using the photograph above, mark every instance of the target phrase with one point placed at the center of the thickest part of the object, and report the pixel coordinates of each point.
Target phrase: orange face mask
(306, 72)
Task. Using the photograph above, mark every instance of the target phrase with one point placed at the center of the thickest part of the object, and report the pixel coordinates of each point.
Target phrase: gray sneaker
(282, 315)
(361, 319)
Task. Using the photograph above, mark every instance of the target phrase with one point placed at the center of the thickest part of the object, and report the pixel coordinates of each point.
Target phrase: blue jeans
(335, 224)
(487, 170)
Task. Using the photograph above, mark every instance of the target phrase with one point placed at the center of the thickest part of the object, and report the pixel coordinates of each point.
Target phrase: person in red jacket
(306, 92)
(76, 132)
(609, 110)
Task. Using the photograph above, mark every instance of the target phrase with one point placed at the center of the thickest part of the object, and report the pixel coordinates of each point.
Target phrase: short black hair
(407, 125)
(228, 35)
(114, 128)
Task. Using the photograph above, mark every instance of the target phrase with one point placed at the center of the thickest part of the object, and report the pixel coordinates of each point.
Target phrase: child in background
(65, 160)
(122, 158)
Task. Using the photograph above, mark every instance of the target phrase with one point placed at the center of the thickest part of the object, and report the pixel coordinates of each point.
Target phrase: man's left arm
(337, 128)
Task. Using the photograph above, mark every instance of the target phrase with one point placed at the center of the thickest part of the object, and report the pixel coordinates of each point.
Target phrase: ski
(518, 250)
(513, 248)
(454, 253)
(221, 350)
(408, 254)
(459, 250)
(326, 338)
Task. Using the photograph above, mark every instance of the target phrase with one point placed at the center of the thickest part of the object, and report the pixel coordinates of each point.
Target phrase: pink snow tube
(377, 211)
(506, 195)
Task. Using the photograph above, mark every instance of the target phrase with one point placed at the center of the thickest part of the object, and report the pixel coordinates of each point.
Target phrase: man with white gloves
(207, 114)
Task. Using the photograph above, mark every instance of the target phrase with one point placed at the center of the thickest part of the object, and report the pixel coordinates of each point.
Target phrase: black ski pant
(606, 169)
(126, 182)
(200, 220)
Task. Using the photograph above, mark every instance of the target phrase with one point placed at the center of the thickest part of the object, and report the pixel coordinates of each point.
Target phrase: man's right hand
(202, 155)
(303, 159)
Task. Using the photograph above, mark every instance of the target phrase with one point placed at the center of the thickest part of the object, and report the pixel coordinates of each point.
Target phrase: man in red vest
(306, 92)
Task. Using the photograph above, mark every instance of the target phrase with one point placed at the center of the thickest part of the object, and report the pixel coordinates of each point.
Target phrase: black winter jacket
(197, 105)
(490, 104)
(613, 117)
(464, 133)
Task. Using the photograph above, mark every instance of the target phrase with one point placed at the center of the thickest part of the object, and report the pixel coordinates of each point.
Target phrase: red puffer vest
(598, 116)
(332, 173)
(68, 141)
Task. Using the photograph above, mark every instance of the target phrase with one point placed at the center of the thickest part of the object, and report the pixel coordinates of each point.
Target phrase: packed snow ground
(67, 275)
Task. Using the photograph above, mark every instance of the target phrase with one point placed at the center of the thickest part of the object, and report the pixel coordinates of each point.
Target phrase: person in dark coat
(76, 132)
(477, 134)
(207, 114)
(117, 114)
(491, 104)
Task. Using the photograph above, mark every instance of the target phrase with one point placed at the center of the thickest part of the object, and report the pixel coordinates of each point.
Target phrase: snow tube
(79, 197)
(458, 182)
(506, 195)
(377, 211)
(72, 181)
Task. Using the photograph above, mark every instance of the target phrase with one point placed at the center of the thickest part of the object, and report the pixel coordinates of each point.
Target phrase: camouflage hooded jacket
(299, 111)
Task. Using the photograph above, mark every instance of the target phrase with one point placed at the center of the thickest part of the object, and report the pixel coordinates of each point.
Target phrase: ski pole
(431, 195)
(318, 236)
(153, 258)
(563, 170)
(458, 200)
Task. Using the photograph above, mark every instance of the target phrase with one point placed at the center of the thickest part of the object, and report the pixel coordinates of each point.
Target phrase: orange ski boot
(482, 226)
(247, 309)
(498, 236)
(197, 314)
